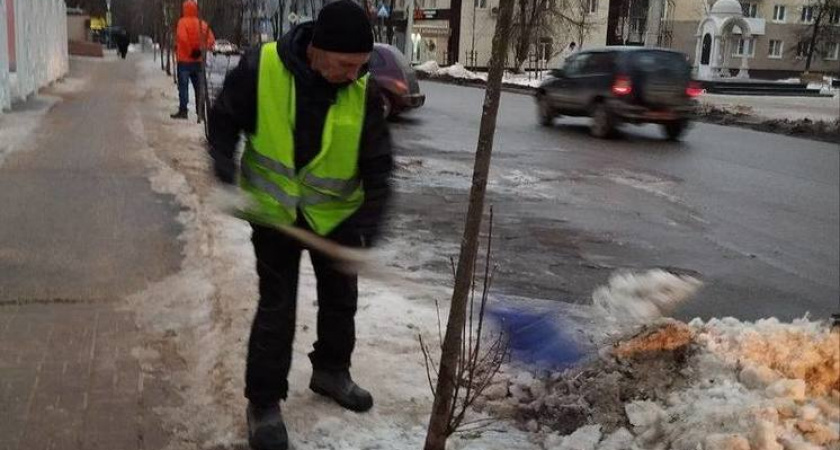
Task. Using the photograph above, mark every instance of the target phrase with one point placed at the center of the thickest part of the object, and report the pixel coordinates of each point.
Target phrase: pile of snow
(721, 384)
(823, 86)
(458, 70)
(429, 67)
(640, 298)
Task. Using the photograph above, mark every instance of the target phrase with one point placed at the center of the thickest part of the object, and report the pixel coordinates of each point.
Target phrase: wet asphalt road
(755, 215)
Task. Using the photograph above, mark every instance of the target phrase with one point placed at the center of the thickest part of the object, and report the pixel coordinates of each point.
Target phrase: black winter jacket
(235, 112)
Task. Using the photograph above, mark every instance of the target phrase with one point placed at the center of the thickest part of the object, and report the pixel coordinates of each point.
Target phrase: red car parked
(400, 90)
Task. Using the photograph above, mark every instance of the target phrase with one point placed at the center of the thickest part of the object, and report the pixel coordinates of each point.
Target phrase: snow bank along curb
(740, 116)
(721, 384)
(743, 117)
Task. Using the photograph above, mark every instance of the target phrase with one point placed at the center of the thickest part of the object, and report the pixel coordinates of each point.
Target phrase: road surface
(755, 215)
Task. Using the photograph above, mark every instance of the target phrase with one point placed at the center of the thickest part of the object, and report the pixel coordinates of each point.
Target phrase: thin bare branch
(427, 359)
(440, 330)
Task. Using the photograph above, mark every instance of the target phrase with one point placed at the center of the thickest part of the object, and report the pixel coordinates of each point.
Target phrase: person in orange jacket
(193, 37)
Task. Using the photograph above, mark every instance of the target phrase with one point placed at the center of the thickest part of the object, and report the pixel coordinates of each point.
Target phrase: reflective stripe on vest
(327, 190)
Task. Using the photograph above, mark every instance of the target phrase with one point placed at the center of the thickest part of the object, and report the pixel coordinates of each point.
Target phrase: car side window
(376, 60)
(575, 64)
(598, 63)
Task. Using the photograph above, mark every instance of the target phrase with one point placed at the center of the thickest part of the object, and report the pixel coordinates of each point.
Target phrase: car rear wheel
(387, 106)
(603, 121)
(675, 130)
(544, 114)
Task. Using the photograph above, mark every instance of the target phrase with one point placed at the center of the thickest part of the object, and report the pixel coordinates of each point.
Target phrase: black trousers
(273, 329)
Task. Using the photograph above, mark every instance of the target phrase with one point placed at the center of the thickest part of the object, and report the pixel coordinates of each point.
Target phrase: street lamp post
(409, 33)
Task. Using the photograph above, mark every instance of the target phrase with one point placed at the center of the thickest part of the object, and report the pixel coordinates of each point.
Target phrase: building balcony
(756, 26)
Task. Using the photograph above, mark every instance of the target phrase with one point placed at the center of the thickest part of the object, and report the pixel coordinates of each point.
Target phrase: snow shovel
(232, 201)
(537, 338)
(629, 299)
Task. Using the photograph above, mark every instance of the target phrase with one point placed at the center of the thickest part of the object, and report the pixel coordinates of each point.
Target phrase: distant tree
(572, 20)
(820, 28)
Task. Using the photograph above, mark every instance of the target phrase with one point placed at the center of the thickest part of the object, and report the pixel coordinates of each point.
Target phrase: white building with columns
(722, 29)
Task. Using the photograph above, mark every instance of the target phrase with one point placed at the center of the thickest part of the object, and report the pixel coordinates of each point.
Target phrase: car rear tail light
(694, 89)
(401, 86)
(622, 85)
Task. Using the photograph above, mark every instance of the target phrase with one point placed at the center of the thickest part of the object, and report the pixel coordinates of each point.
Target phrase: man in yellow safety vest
(317, 157)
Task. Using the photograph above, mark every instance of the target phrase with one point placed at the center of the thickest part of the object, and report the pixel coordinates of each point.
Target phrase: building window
(745, 47)
(546, 48)
(637, 25)
(776, 48)
(592, 6)
(750, 9)
(802, 49)
(831, 51)
(779, 13)
(807, 14)
(481, 4)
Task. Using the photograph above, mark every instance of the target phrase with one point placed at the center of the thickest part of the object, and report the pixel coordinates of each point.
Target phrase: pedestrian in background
(567, 52)
(192, 38)
(122, 43)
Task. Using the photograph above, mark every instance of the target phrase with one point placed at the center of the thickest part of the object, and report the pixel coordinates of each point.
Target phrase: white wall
(41, 48)
(5, 93)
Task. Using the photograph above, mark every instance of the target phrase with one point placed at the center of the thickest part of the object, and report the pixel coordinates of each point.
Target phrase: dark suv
(621, 84)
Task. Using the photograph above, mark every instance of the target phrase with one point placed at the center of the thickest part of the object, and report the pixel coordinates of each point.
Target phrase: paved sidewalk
(69, 380)
(80, 229)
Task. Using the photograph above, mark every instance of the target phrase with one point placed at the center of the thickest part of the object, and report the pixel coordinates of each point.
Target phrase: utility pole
(409, 33)
(454, 44)
(653, 32)
(472, 44)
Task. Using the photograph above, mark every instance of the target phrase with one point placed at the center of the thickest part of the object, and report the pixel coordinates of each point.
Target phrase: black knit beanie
(343, 27)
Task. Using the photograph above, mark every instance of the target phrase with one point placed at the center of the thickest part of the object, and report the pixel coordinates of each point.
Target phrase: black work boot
(338, 386)
(266, 430)
(180, 115)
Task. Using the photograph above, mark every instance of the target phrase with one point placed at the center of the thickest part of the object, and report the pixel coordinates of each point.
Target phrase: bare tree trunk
(454, 43)
(171, 55)
(239, 17)
(439, 422)
(390, 23)
(522, 36)
(812, 43)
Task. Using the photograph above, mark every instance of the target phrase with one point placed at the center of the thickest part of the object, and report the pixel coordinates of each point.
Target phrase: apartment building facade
(431, 31)
(775, 49)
